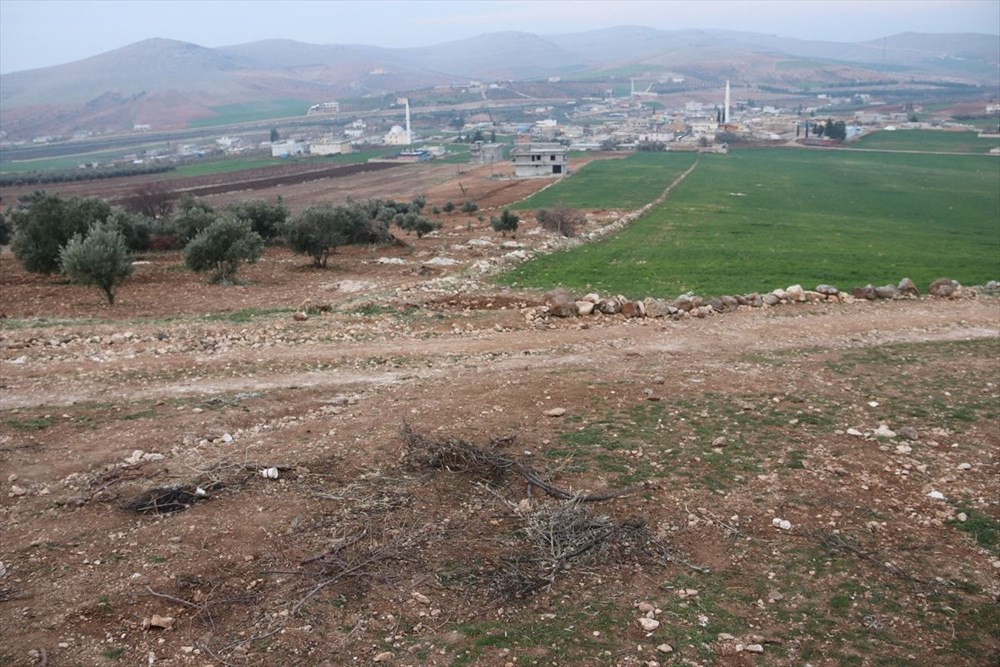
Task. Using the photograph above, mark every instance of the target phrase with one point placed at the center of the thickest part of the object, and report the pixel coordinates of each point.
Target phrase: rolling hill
(167, 83)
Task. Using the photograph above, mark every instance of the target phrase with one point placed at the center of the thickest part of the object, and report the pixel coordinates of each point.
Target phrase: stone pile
(561, 303)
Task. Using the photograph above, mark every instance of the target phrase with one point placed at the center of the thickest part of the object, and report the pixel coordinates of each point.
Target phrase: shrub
(151, 199)
(44, 223)
(414, 222)
(507, 222)
(222, 246)
(4, 230)
(100, 258)
(318, 230)
(448, 207)
(191, 217)
(265, 218)
(561, 220)
(134, 228)
(470, 207)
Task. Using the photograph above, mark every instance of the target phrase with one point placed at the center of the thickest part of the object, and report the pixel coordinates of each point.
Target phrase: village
(695, 120)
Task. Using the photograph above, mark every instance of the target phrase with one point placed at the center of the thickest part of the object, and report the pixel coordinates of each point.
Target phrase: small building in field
(288, 148)
(540, 161)
(485, 153)
(331, 147)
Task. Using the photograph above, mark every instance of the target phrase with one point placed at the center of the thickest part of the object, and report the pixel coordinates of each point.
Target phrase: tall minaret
(409, 137)
(725, 113)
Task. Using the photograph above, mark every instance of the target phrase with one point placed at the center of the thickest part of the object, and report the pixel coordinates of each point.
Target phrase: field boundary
(629, 218)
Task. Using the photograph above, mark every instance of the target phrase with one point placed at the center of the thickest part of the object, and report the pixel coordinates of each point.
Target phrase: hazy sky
(39, 33)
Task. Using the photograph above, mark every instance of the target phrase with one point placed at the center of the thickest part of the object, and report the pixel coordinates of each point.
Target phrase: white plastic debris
(936, 495)
(270, 473)
(783, 524)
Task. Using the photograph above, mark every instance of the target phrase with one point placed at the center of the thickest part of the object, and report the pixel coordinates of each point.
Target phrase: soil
(310, 529)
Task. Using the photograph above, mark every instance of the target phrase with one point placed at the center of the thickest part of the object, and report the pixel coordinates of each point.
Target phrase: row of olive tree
(92, 243)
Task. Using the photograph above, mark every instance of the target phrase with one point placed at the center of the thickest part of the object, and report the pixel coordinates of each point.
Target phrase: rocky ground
(430, 470)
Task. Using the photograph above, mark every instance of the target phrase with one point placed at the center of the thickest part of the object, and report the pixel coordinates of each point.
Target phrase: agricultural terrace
(761, 219)
(935, 141)
(604, 184)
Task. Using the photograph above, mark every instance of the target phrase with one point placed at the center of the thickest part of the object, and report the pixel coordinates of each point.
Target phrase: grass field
(617, 183)
(251, 111)
(63, 163)
(762, 219)
(926, 140)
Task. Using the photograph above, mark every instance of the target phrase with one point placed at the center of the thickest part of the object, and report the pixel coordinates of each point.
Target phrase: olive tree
(100, 258)
(222, 246)
(44, 223)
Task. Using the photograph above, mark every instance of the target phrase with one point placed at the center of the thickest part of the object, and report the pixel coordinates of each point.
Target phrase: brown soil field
(428, 471)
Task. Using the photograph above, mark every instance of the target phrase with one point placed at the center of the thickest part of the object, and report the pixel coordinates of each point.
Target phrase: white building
(397, 136)
(288, 148)
(540, 161)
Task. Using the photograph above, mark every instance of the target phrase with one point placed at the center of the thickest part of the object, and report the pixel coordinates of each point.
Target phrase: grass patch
(758, 219)
(229, 114)
(36, 424)
(982, 527)
(246, 315)
(926, 140)
(627, 183)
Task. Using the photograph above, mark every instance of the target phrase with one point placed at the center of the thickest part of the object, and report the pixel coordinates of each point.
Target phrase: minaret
(725, 113)
(409, 137)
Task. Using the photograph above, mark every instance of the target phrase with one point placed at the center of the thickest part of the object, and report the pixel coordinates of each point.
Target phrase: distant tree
(265, 218)
(100, 258)
(561, 220)
(456, 122)
(609, 145)
(418, 203)
(412, 221)
(507, 222)
(44, 223)
(836, 129)
(274, 135)
(436, 210)
(493, 136)
(221, 247)
(650, 146)
(192, 216)
(448, 207)
(470, 207)
(478, 136)
(152, 199)
(134, 228)
(914, 118)
(318, 230)
(4, 230)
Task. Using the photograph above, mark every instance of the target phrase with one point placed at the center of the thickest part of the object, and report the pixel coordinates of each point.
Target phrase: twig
(173, 599)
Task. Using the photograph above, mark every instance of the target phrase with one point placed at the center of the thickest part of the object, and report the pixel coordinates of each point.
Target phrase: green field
(926, 140)
(250, 111)
(64, 163)
(756, 220)
(615, 183)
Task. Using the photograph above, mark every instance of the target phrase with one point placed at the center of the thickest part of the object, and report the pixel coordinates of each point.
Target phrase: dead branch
(460, 455)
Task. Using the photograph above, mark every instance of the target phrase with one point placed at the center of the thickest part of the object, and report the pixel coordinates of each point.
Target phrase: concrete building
(540, 161)
(485, 153)
(329, 146)
(289, 148)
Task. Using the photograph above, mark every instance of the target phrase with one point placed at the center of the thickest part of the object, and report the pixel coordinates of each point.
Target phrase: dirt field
(422, 473)
(301, 185)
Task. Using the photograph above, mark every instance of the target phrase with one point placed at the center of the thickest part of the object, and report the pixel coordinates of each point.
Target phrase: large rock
(781, 294)
(610, 306)
(585, 307)
(730, 302)
(771, 299)
(866, 292)
(561, 303)
(795, 293)
(593, 297)
(716, 304)
(683, 302)
(886, 292)
(827, 290)
(907, 287)
(658, 308)
(630, 309)
(944, 287)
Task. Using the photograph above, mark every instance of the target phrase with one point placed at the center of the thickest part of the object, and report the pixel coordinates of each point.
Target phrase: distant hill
(167, 83)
